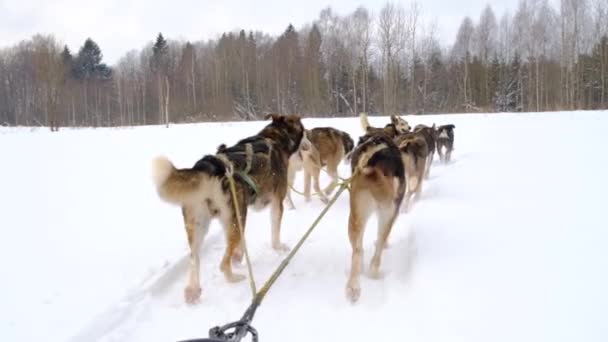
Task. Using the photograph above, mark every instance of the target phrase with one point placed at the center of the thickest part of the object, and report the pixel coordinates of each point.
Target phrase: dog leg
(448, 154)
(315, 174)
(289, 200)
(332, 170)
(386, 219)
(418, 188)
(307, 177)
(428, 165)
(276, 216)
(291, 176)
(406, 203)
(233, 241)
(359, 213)
(440, 152)
(418, 191)
(197, 224)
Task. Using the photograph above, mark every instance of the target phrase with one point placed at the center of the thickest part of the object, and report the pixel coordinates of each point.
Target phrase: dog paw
(353, 292)
(375, 274)
(192, 294)
(280, 247)
(307, 199)
(235, 278)
(325, 200)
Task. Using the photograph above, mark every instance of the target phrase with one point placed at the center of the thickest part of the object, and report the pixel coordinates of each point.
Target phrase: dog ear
(450, 126)
(394, 120)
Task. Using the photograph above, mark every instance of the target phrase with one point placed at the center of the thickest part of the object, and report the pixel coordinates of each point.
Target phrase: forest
(539, 58)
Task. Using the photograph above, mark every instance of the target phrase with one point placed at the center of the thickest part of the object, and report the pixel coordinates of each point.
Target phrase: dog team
(388, 166)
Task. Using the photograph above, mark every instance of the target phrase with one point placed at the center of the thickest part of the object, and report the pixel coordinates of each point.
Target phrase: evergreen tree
(160, 52)
(88, 64)
(66, 56)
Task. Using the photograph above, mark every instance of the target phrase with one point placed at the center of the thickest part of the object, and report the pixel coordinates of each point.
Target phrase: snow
(508, 242)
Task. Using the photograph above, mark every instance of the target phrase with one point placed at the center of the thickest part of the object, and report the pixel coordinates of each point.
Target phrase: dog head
(288, 129)
(401, 126)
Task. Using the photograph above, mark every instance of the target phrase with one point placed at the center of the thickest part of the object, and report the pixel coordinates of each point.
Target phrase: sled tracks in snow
(135, 302)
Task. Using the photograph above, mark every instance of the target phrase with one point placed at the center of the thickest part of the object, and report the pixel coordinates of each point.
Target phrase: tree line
(540, 58)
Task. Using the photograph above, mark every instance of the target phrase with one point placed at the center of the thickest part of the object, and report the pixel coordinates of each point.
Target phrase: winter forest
(539, 58)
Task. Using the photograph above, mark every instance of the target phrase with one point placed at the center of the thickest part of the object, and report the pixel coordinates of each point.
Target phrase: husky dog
(326, 147)
(378, 185)
(414, 152)
(445, 138)
(396, 127)
(429, 135)
(259, 167)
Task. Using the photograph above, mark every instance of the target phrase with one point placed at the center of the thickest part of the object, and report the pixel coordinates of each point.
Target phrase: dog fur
(378, 185)
(414, 152)
(445, 138)
(397, 126)
(203, 190)
(328, 146)
(429, 135)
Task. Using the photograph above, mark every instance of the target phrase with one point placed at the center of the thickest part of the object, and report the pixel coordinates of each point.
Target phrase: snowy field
(508, 243)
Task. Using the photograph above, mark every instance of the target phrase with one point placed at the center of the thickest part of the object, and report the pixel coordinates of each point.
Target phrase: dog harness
(249, 152)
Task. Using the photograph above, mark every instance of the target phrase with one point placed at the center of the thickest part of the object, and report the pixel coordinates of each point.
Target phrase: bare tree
(461, 52)
(411, 27)
(357, 40)
(391, 43)
(485, 47)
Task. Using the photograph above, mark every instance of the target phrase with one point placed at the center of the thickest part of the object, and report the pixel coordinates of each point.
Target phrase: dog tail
(364, 121)
(177, 186)
(376, 179)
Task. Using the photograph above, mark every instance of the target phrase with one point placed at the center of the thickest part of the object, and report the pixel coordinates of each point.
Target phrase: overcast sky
(121, 25)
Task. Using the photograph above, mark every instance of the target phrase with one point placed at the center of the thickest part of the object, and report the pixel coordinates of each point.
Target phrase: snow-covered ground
(508, 243)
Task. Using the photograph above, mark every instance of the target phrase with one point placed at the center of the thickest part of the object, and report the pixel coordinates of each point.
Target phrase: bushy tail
(364, 121)
(176, 186)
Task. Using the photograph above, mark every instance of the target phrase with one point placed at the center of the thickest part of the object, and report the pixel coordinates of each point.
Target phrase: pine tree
(160, 66)
(88, 64)
(66, 56)
(160, 51)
